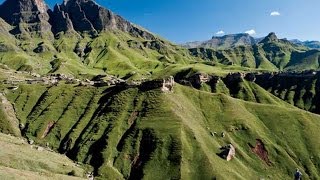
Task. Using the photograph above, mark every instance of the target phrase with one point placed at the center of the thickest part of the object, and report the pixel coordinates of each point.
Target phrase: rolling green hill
(141, 132)
(137, 127)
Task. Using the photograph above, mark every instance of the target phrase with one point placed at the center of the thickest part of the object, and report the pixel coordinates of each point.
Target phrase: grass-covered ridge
(134, 133)
(112, 52)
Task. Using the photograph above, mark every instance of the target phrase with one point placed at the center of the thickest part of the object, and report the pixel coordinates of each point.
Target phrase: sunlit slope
(135, 133)
(19, 160)
(112, 52)
(270, 54)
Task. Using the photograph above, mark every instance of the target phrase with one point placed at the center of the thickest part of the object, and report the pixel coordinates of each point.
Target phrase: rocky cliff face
(26, 15)
(34, 16)
(88, 16)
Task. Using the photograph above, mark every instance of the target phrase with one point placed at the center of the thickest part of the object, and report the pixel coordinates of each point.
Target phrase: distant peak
(232, 35)
(272, 37)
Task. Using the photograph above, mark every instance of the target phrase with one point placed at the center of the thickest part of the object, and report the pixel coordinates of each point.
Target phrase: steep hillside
(301, 90)
(82, 81)
(19, 160)
(298, 89)
(141, 132)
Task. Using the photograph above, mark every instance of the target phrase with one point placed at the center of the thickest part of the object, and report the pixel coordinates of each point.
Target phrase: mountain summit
(35, 17)
(26, 16)
(272, 37)
(79, 36)
(88, 16)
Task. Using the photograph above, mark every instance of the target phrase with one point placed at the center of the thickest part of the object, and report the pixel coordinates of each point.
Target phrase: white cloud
(250, 32)
(220, 33)
(275, 13)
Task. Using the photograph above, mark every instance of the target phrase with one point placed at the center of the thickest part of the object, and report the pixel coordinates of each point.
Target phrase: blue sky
(189, 20)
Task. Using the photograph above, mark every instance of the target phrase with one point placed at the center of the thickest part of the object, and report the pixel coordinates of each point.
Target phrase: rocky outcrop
(167, 85)
(60, 20)
(197, 79)
(88, 16)
(228, 152)
(28, 16)
(272, 37)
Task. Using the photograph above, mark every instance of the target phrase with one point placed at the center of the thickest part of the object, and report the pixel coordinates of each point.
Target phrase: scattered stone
(223, 134)
(228, 152)
(40, 148)
(21, 126)
(90, 176)
(13, 88)
(31, 142)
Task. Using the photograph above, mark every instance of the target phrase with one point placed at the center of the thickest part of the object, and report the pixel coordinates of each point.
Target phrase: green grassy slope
(120, 54)
(8, 121)
(18, 160)
(133, 133)
(112, 52)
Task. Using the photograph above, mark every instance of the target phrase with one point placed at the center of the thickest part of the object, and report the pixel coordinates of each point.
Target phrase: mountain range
(85, 93)
(242, 39)
(270, 53)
